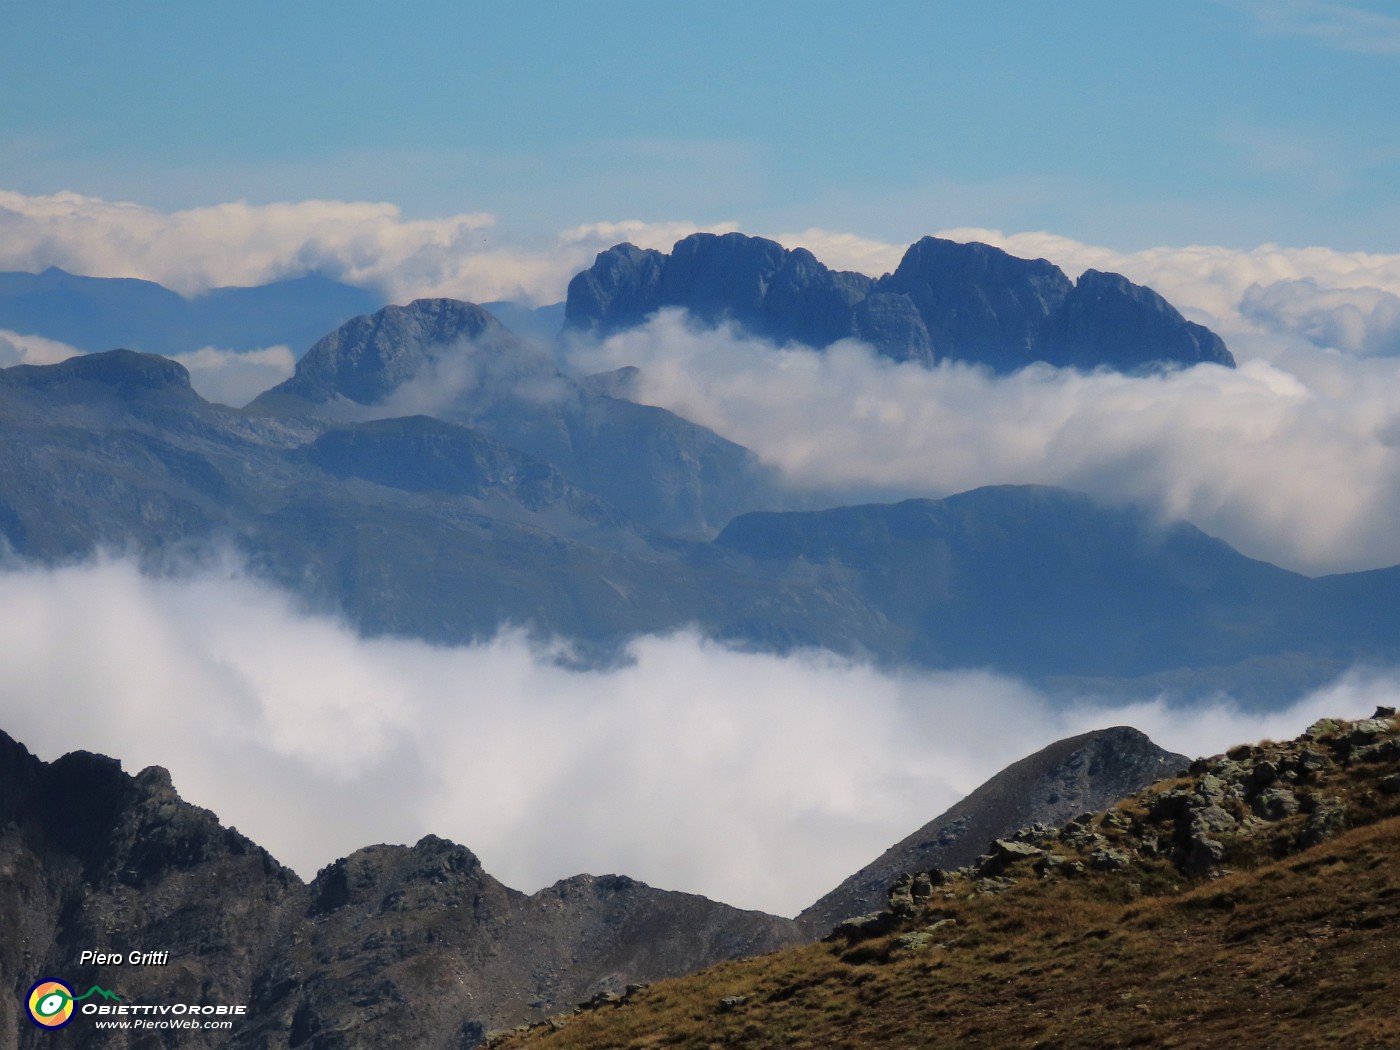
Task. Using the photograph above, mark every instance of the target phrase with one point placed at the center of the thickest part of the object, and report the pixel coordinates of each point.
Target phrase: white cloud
(466, 256)
(1364, 321)
(235, 377)
(759, 780)
(16, 348)
(1346, 27)
(359, 242)
(1295, 461)
(846, 251)
(233, 243)
(661, 236)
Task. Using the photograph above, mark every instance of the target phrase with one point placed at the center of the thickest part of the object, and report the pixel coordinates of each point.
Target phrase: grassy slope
(1292, 948)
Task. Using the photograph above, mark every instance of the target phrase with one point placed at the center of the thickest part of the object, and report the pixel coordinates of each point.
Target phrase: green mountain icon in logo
(94, 990)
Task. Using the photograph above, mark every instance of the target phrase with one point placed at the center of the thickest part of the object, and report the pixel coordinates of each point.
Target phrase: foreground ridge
(1252, 898)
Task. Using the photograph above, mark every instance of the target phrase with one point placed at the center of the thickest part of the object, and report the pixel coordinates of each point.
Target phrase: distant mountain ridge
(945, 301)
(100, 313)
(531, 498)
(665, 472)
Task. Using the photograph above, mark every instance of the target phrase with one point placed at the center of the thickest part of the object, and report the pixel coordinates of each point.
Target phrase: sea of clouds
(756, 779)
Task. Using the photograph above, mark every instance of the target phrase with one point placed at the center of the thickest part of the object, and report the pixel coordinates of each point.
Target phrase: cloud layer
(363, 243)
(1296, 461)
(758, 780)
(467, 256)
(16, 348)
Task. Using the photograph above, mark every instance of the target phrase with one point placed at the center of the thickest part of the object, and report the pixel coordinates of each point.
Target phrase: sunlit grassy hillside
(1254, 903)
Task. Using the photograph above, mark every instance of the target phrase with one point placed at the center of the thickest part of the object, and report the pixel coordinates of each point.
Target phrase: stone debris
(1250, 791)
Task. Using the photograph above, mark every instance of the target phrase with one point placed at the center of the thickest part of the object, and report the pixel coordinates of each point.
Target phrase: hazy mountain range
(427, 472)
(435, 528)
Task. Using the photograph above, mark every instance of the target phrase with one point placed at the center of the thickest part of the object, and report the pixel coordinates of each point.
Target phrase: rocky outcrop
(392, 946)
(93, 858)
(1083, 772)
(945, 301)
(751, 281)
(1056, 939)
(368, 358)
(1253, 803)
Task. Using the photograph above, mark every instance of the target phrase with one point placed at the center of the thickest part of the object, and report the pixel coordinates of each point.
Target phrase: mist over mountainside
(945, 301)
(534, 499)
(456, 361)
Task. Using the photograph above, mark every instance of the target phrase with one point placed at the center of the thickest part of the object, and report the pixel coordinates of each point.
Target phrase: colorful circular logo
(50, 1003)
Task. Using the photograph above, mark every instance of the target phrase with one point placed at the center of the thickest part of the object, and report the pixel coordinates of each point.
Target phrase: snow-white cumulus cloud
(1363, 321)
(759, 780)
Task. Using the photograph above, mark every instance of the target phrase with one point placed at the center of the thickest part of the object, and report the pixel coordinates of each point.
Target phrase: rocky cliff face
(391, 946)
(1069, 777)
(945, 301)
(92, 858)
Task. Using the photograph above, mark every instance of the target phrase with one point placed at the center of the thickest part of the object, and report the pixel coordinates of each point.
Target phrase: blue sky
(1230, 123)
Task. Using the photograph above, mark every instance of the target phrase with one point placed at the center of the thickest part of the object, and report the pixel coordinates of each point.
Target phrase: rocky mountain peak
(1257, 800)
(1080, 773)
(121, 374)
(946, 300)
(369, 357)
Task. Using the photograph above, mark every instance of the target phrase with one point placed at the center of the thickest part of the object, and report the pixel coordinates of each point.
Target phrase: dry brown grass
(1298, 950)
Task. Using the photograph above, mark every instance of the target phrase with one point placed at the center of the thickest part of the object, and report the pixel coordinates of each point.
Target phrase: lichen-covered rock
(1327, 820)
(1107, 859)
(1275, 803)
(1202, 855)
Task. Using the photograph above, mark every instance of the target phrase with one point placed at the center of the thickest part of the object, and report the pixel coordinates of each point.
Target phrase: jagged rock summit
(945, 301)
(409, 946)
